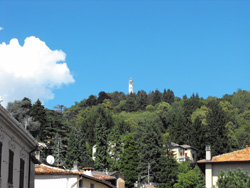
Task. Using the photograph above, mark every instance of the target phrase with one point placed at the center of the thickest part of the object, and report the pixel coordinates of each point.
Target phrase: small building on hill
(184, 152)
(233, 160)
(17, 147)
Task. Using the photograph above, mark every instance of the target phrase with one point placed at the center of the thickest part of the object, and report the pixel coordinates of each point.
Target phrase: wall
(87, 183)
(245, 166)
(54, 181)
(13, 138)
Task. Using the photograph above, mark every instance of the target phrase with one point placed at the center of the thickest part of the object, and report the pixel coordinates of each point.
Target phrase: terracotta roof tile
(239, 155)
(103, 177)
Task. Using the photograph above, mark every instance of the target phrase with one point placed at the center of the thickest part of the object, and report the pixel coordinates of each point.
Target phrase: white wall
(55, 181)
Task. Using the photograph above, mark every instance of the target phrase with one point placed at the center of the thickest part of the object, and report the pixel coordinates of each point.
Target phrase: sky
(62, 51)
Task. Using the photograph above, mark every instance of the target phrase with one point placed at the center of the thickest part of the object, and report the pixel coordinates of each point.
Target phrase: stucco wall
(87, 183)
(226, 166)
(54, 181)
(12, 139)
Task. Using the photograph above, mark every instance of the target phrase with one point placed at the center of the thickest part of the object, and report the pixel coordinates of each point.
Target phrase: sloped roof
(235, 156)
(238, 156)
(104, 177)
(49, 170)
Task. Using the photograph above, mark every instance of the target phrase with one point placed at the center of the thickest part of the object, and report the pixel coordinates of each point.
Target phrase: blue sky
(187, 46)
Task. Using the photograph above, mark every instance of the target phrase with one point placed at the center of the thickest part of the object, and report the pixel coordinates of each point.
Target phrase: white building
(184, 152)
(212, 166)
(16, 147)
(52, 177)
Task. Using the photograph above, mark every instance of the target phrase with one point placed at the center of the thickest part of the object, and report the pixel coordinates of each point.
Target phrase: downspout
(30, 164)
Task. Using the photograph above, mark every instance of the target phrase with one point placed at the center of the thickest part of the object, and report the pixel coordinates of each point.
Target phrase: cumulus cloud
(32, 70)
(1, 28)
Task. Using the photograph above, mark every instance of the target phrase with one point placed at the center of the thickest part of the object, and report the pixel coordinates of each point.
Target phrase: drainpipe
(30, 163)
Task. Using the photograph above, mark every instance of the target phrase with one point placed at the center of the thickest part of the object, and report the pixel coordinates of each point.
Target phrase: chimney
(208, 153)
(75, 167)
(88, 171)
(247, 150)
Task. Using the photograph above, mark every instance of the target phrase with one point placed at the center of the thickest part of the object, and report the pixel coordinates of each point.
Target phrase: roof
(184, 146)
(49, 170)
(237, 156)
(17, 127)
(104, 177)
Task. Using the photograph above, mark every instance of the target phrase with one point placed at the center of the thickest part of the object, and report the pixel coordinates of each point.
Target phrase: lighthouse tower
(130, 91)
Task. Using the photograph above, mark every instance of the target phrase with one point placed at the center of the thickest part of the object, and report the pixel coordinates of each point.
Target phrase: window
(0, 158)
(80, 184)
(21, 178)
(11, 164)
(92, 185)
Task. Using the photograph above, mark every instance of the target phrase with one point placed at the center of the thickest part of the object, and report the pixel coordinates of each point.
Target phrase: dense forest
(131, 133)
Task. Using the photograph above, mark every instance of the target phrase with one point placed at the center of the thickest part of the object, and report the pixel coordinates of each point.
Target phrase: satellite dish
(50, 159)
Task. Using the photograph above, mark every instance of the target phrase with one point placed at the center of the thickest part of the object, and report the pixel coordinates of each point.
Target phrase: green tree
(156, 97)
(150, 144)
(168, 96)
(141, 100)
(39, 114)
(216, 133)
(189, 178)
(77, 150)
(102, 128)
(129, 161)
(233, 179)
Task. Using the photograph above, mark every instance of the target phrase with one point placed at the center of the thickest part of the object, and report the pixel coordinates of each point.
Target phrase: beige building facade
(211, 166)
(16, 149)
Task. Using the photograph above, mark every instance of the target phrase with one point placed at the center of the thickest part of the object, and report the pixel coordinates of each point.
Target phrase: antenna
(50, 159)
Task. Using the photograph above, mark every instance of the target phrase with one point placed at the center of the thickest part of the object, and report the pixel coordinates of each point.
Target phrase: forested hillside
(139, 125)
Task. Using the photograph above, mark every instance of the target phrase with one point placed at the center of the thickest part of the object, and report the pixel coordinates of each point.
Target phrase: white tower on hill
(130, 91)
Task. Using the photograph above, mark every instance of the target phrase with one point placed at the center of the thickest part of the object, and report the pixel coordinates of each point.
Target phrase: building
(16, 153)
(233, 160)
(51, 177)
(184, 152)
(130, 86)
(119, 180)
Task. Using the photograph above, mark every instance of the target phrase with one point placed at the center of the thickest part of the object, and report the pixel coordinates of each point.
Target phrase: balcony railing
(183, 159)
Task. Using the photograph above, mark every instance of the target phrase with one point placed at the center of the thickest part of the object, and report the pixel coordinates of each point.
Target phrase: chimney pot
(208, 153)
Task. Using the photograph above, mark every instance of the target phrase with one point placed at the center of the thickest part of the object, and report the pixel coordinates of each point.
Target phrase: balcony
(183, 159)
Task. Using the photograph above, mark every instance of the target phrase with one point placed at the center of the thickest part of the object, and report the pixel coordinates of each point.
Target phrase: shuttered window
(11, 165)
(0, 159)
(21, 178)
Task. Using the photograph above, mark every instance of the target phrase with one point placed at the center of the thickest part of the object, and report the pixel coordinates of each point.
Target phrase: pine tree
(102, 129)
(77, 150)
(168, 96)
(150, 144)
(39, 114)
(129, 161)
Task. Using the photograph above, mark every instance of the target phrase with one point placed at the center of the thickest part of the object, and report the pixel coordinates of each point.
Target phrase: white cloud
(32, 70)
(1, 28)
